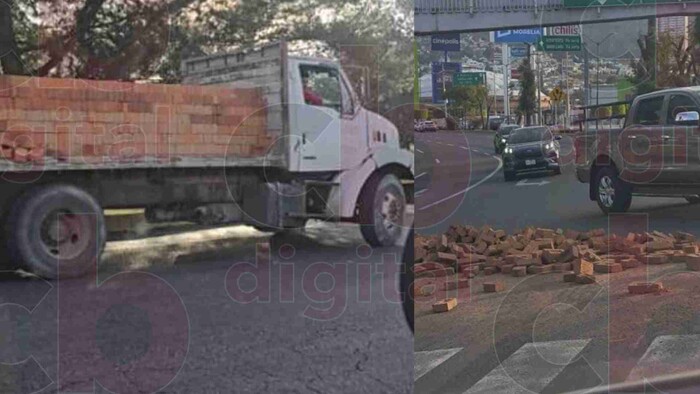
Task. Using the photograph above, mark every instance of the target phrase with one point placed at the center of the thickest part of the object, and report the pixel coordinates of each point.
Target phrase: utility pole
(506, 69)
(538, 77)
(586, 87)
(444, 86)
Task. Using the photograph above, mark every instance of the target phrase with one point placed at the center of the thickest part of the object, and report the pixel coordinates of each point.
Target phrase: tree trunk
(9, 52)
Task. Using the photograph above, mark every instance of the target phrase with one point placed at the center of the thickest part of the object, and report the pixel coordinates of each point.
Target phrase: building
(677, 26)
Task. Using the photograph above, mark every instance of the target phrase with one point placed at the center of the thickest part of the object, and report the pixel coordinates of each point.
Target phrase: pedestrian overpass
(443, 16)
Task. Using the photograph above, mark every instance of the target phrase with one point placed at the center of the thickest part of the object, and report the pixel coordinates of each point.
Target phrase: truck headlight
(509, 150)
(503, 140)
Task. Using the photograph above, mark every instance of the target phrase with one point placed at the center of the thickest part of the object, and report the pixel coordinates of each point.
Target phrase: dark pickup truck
(655, 154)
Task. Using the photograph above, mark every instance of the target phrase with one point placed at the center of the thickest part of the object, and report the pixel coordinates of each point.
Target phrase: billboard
(518, 35)
(445, 43)
(443, 72)
(571, 30)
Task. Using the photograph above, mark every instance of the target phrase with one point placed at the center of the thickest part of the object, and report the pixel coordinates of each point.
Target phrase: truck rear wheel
(55, 223)
(382, 207)
(612, 194)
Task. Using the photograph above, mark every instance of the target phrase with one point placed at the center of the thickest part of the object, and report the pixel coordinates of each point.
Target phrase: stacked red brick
(82, 121)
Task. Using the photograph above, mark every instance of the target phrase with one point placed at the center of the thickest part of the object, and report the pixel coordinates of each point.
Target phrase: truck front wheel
(55, 229)
(381, 211)
(612, 194)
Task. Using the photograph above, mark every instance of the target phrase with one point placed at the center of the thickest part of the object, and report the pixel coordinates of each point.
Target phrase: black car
(531, 150)
(495, 122)
(501, 137)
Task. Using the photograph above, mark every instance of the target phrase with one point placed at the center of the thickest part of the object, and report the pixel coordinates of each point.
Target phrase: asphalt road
(320, 314)
(542, 335)
(462, 183)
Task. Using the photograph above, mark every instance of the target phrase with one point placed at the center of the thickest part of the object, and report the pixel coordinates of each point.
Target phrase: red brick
(562, 267)
(607, 267)
(582, 267)
(540, 269)
(570, 277)
(630, 263)
(494, 287)
(490, 270)
(519, 271)
(460, 283)
(645, 287)
(585, 279)
(656, 259)
(693, 262)
(445, 305)
(507, 268)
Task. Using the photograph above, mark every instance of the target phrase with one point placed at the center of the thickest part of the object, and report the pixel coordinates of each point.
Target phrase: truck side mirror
(689, 118)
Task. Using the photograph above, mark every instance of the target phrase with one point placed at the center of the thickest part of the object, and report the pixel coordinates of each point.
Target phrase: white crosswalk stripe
(531, 368)
(424, 362)
(534, 366)
(666, 355)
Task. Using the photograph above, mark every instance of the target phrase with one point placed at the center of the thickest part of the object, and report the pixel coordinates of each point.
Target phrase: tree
(527, 103)
(473, 100)
(644, 69)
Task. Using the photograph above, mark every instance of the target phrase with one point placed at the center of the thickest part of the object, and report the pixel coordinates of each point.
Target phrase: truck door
(641, 143)
(682, 141)
(316, 116)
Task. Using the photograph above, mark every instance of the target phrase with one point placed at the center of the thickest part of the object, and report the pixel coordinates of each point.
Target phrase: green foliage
(527, 103)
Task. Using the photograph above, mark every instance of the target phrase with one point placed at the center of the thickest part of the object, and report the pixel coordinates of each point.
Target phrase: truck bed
(72, 124)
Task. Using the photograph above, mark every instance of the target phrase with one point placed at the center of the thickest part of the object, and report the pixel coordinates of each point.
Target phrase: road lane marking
(464, 147)
(531, 368)
(500, 165)
(666, 355)
(437, 161)
(419, 151)
(421, 174)
(450, 145)
(524, 182)
(424, 362)
(419, 192)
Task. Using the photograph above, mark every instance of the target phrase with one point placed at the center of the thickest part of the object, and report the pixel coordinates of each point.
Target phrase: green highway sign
(617, 3)
(469, 79)
(559, 43)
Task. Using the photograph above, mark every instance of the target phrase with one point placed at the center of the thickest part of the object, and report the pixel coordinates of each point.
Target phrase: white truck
(331, 159)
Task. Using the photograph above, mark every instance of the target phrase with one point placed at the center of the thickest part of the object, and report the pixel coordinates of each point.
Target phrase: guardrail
(477, 6)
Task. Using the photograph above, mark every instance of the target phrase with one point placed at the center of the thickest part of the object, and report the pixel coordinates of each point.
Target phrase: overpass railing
(477, 6)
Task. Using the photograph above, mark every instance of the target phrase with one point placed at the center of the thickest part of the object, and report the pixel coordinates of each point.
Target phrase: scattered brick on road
(585, 279)
(630, 263)
(460, 283)
(607, 267)
(519, 271)
(539, 269)
(582, 267)
(645, 287)
(445, 305)
(494, 287)
(490, 270)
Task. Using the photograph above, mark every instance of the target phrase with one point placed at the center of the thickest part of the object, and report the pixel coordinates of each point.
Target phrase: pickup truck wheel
(52, 224)
(612, 194)
(382, 207)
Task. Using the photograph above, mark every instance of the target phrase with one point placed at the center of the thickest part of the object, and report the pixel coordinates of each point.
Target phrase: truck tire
(52, 223)
(382, 207)
(612, 194)
(407, 278)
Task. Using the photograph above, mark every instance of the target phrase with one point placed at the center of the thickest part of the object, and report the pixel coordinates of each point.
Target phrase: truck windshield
(534, 134)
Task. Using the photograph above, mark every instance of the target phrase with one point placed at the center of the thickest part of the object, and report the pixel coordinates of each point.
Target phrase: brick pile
(83, 121)
(580, 256)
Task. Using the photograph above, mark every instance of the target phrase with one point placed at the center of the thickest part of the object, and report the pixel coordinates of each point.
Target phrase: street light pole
(597, 78)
